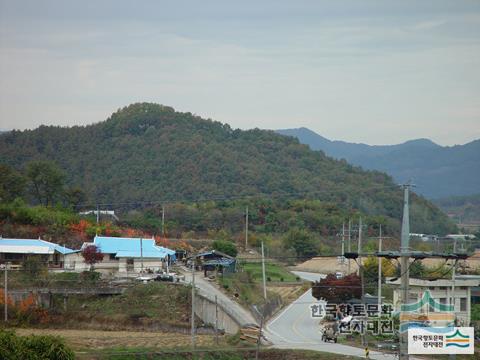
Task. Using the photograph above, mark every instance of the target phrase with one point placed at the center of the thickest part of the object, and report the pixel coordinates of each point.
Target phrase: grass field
(274, 272)
(246, 284)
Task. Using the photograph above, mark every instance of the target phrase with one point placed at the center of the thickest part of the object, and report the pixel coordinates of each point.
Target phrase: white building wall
(443, 292)
(75, 262)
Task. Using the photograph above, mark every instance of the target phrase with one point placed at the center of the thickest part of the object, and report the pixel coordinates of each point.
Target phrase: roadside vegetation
(152, 306)
(33, 347)
(246, 285)
(144, 306)
(212, 354)
(273, 272)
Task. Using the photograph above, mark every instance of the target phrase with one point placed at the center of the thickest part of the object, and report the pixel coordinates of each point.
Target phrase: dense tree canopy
(12, 183)
(148, 153)
(47, 181)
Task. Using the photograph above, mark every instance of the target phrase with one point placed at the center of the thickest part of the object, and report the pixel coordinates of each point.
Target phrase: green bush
(19, 212)
(32, 347)
(226, 247)
(90, 277)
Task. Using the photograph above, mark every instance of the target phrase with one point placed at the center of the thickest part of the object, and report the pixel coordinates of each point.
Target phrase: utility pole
(163, 220)
(360, 269)
(98, 215)
(216, 320)
(259, 339)
(349, 243)
(404, 266)
(246, 228)
(452, 302)
(141, 254)
(359, 246)
(379, 294)
(263, 274)
(343, 243)
(192, 332)
(5, 288)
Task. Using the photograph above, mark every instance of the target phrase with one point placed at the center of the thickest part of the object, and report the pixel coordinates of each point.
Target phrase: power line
(252, 196)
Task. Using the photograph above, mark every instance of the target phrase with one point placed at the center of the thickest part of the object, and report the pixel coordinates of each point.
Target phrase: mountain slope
(149, 152)
(437, 171)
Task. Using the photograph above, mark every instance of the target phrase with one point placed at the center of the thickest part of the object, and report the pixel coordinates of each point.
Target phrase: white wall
(75, 262)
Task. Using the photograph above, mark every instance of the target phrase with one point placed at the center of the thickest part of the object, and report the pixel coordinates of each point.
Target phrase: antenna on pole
(404, 262)
(246, 228)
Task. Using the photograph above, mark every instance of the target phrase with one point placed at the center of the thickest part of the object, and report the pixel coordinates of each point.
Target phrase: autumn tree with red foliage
(335, 290)
(91, 255)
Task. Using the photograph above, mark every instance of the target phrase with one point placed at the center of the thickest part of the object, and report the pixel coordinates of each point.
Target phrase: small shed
(215, 260)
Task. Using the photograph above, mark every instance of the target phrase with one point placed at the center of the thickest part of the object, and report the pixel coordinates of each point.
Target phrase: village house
(123, 255)
(214, 261)
(17, 251)
(441, 292)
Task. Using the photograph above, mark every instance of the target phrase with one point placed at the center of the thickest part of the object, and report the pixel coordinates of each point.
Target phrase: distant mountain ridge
(438, 171)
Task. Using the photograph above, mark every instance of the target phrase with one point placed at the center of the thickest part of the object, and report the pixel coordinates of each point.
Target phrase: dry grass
(93, 339)
(288, 293)
(325, 265)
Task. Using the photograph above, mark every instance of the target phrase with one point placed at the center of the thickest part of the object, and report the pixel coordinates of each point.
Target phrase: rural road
(208, 290)
(294, 328)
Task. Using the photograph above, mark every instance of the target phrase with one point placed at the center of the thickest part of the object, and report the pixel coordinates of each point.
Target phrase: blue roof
(130, 247)
(32, 246)
(222, 262)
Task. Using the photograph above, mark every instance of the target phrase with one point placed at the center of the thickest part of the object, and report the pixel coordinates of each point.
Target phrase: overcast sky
(378, 72)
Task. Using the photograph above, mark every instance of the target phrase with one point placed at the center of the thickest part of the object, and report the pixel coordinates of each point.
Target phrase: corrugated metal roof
(31, 246)
(222, 262)
(167, 250)
(130, 247)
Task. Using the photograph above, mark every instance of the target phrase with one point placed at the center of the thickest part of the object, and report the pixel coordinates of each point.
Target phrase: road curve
(295, 328)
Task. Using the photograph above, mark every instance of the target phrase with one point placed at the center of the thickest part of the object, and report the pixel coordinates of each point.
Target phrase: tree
(226, 247)
(74, 196)
(91, 255)
(337, 290)
(370, 266)
(301, 241)
(12, 183)
(46, 179)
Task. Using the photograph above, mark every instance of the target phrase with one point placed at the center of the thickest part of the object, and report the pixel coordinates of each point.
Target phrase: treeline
(289, 228)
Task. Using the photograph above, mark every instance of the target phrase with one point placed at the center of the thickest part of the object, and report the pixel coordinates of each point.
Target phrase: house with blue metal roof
(16, 251)
(124, 255)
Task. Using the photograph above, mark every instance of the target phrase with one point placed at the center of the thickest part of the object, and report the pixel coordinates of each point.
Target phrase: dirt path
(93, 339)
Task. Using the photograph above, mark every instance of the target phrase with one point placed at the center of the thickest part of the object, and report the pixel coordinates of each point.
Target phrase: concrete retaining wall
(205, 310)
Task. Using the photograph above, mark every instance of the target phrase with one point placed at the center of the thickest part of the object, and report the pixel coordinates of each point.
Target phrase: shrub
(226, 247)
(34, 266)
(90, 276)
(13, 347)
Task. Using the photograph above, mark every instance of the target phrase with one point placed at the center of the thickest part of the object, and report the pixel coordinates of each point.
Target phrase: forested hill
(148, 152)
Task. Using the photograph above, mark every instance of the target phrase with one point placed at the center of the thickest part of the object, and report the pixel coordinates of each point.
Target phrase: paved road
(294, 328)
(309, 276)
(206, 289)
